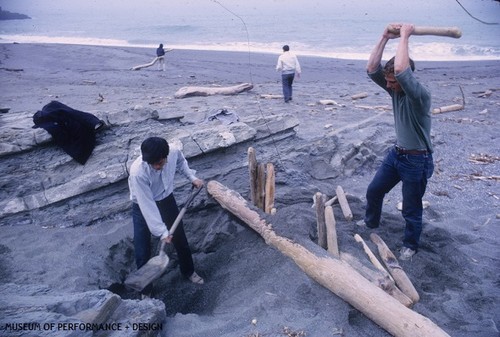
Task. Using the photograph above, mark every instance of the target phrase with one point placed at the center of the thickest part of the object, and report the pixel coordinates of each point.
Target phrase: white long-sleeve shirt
(148, 185)
(288, 63)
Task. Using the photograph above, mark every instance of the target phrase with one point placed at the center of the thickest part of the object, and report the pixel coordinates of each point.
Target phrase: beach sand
(456, 270)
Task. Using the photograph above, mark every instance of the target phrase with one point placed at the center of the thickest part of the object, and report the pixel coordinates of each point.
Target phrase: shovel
(155, 267)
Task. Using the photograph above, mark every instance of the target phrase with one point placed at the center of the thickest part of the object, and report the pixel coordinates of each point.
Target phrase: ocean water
(328, 28)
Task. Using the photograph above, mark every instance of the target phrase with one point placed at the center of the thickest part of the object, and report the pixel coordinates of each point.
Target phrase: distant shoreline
(122, 44)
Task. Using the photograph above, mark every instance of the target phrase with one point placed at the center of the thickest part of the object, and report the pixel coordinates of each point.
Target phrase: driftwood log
(454, 32)
(359, 96)
(209, 91)
(334, 274)
(448, 108)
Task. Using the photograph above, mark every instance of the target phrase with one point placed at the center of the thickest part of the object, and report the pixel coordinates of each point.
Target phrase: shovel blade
(153, 269)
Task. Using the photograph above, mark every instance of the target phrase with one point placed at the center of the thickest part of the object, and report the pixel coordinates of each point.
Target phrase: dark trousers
(142, 236)
(287, 81)
(413, 171)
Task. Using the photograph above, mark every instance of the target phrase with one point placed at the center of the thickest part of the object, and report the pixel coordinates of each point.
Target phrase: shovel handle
(194, 193)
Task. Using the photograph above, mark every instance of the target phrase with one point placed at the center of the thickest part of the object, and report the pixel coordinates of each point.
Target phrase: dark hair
(154, 149)
(286, 47)
(161, 45)
(389, 66)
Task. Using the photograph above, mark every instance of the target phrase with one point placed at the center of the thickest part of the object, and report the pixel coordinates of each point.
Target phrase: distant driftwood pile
(384, 295)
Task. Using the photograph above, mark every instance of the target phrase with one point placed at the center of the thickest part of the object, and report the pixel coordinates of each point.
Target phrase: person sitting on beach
(410, 159)
(289, 65)
(160, 53)
(154, 208)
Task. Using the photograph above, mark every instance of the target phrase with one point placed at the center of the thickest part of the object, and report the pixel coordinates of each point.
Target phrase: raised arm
(402, 59)
(376, 55)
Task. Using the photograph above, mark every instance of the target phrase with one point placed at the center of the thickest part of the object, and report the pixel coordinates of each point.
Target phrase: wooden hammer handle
(438, 31)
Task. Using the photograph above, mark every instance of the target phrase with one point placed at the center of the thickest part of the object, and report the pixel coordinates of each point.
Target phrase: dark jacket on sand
(72, 130)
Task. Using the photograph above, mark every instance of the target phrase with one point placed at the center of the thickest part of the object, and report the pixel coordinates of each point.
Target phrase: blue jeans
(287, 81)
(142, 236)
(413, 171)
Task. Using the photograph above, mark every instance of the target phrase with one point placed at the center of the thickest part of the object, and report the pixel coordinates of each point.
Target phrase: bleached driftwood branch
(146, 65)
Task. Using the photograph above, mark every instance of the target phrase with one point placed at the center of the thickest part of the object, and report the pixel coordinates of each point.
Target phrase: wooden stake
(390, 261)
(261, 186)
(335, 275)
(319, 202)
(331, 232)
(331, 201)
(383, 281)
(370, 254)
(252, 170)
(344, 205)
(269, 197)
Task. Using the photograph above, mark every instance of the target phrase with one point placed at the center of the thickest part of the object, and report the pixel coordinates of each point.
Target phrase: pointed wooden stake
(344, 205)
(261, 186)
(319, 202)
(331, 232)
(252, 170)
(390, 261)
(269, 197)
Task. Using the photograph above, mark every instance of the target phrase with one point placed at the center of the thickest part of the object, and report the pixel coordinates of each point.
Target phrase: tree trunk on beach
(209, 91)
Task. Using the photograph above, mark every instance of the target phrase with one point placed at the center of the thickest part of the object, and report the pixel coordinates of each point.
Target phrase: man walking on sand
(410, 159)
(289, 65)
(154, 209)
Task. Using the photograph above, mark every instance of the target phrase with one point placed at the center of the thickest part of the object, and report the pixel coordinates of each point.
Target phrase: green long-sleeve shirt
(411, 107)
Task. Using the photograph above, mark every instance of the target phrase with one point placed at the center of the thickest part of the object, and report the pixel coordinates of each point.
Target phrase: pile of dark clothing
(73, 130)
(224, 116)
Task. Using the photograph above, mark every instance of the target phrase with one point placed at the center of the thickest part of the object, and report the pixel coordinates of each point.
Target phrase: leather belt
(401, 150)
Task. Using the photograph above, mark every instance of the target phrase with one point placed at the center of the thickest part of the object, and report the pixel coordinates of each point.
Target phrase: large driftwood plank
(333, 274)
